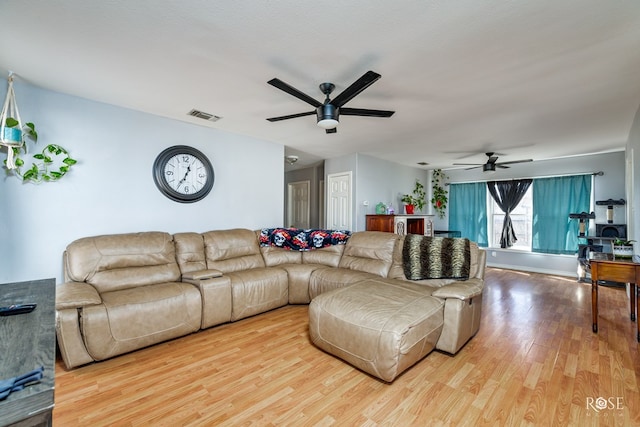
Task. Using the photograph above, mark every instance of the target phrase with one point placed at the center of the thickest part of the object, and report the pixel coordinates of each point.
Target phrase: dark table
(27, 342)
(623, 271)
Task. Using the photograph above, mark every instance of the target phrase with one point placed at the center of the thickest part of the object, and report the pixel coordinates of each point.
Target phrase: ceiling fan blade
(290, 116)
(332, 130)
(294, 92)
(365, 112)
(358, 86)
(501, 166)
(515, 161)
(468, 164)
(475, 167)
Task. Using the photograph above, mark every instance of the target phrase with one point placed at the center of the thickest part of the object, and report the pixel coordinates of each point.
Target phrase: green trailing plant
(417, 197)
(45, 166)
(439, 199)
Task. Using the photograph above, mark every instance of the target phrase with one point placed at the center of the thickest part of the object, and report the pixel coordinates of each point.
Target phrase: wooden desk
(28, 341)
(623, 271)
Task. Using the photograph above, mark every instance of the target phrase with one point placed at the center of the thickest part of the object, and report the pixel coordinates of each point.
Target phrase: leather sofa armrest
(201, 274)
(76, 295)
(462, 290)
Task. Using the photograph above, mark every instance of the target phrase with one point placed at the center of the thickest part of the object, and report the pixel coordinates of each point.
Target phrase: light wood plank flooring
(535, 361)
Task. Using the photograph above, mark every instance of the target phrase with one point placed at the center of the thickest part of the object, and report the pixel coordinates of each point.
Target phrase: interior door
(298, 204)
(339, 209)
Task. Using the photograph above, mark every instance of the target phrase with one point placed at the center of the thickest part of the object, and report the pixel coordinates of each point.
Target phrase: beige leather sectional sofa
(127, 291)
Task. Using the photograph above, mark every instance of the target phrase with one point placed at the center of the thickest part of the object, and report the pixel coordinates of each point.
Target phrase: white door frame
(342, 206)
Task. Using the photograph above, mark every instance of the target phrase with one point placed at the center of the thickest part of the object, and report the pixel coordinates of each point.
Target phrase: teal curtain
(553, 200)
(468, 211)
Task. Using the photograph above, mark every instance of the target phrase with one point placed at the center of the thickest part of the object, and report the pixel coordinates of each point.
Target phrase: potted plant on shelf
(439, 199)
(415, 199)
(622, 248)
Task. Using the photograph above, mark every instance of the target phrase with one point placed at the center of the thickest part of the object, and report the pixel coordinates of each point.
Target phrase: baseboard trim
(534, 270)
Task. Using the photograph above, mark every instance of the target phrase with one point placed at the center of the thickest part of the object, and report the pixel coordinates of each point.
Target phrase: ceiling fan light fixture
(291, 159)
(327, 116)
(489, 167)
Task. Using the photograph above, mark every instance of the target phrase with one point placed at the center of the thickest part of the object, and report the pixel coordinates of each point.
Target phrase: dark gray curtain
(507, 195)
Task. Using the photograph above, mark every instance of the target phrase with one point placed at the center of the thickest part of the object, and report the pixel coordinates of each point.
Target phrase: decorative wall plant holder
(51, 164)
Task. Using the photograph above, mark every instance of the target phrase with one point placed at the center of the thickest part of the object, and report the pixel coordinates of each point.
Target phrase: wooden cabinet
(380, 223)
(401, 224)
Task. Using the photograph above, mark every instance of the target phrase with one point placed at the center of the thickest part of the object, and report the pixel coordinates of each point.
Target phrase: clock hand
(185, 175)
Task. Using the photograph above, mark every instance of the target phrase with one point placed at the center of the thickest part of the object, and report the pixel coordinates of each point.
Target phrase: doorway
(339, 206)
(298, 206)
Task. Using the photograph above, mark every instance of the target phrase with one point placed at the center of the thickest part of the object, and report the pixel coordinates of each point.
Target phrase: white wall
(376, 180)
(111, 189)
(383, 181)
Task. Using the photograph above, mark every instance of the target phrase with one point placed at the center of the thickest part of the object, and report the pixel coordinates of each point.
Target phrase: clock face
(183, 174)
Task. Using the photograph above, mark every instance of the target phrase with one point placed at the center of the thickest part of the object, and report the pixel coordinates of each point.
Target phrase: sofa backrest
(329, 256)
(277, 256)
(370, 252)
(232, 250)
(190, 252)
(121, 261)
(476, 268)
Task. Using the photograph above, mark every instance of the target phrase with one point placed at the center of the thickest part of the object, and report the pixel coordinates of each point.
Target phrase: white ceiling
(529, 79)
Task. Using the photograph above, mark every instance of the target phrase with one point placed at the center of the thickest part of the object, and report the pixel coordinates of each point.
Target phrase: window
(540, 222)
(521, 218)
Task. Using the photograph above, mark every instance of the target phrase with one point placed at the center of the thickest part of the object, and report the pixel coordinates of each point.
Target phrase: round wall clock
(183, 174)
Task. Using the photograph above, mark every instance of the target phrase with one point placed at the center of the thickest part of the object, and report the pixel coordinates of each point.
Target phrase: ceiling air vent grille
(202, 115)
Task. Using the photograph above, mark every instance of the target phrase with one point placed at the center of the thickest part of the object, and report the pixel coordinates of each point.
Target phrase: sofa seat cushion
(299, 277)
(380, 328)
(328, 279)
(138, 317)
(257, 290)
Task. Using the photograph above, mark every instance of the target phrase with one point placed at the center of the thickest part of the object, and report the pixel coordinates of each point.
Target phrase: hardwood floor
(535, 361)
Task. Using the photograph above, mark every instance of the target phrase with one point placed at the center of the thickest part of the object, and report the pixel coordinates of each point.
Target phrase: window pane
(521, 218)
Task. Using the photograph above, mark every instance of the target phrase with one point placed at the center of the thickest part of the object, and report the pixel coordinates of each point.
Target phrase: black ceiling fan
(492, 164)
(328, 113)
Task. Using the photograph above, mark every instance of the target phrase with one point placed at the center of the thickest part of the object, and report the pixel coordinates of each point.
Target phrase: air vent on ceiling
(202, 115)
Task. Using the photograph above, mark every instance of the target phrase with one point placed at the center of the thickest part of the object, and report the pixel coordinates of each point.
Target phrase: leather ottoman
(379, 326)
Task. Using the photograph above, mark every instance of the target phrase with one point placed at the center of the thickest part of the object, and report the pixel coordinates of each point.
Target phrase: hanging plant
(439, 199)
(49, 165)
